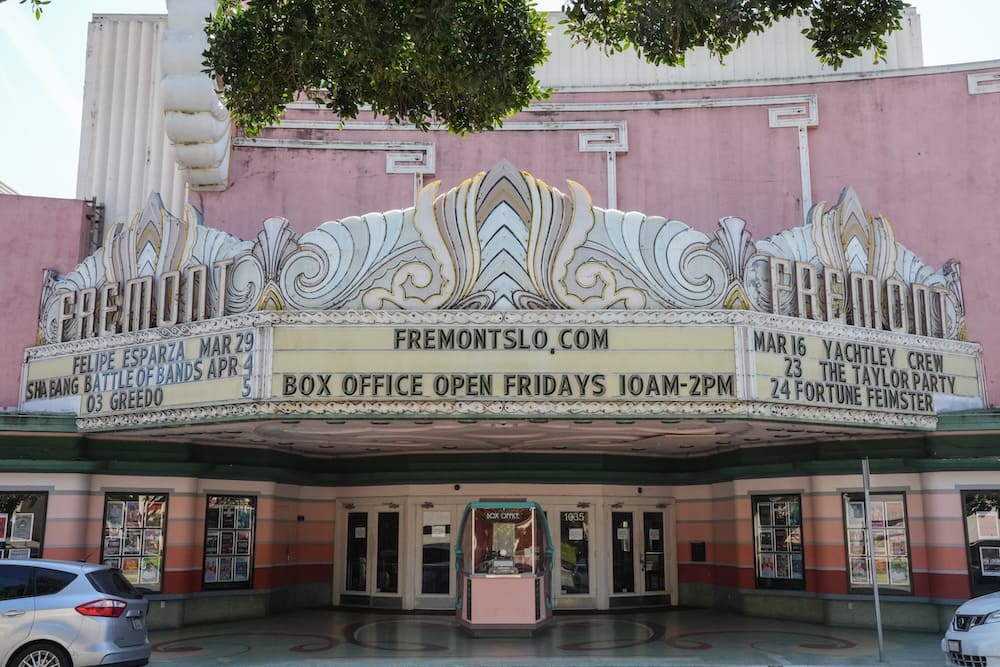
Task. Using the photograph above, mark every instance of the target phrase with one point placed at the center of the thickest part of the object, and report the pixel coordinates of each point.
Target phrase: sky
(42, 69)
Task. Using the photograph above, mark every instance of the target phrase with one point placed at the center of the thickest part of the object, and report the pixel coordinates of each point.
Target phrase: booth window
(777, 526)
(230, 524)
(887, 560)
(22, 523)
(982, 533)
(134, 537)
(574, 543)
(505, 541)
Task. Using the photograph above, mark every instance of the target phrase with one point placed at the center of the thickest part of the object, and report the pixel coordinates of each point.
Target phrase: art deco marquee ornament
(567, 309)
(502, 240)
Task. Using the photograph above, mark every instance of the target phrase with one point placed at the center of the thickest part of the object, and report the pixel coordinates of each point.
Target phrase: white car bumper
(978, 647)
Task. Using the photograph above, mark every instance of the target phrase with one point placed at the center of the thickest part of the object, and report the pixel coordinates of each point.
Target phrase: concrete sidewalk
(673, 637)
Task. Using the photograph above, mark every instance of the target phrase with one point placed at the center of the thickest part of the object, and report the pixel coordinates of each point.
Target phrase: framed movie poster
(22, 523)
(860, 575)
(21, 526)
(230, 524)
(777, 525)
(990, 559)
(877, 551)
(135, 536)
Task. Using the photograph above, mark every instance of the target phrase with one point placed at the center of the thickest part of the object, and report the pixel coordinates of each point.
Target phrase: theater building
(667, 318)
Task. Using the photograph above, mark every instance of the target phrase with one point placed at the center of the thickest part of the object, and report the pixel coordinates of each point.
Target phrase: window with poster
(22, 523)
(777, 527)
(134, 537)
(883, 555)
(982, 532)
(230, 524)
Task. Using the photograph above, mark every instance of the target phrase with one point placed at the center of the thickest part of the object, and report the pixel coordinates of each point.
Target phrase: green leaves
(663, 31)
(468, 64)
(36, 6)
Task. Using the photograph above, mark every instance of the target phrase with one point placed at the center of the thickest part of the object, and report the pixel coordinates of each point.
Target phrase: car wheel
(41, 655)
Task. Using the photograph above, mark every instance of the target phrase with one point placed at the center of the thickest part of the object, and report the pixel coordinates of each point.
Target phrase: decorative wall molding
(609, 137)
(401, 157)
(982, 83)
(494, 409)
(794, 111)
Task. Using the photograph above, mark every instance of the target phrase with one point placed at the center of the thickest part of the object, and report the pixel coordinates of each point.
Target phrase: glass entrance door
(639, 553)
(372, 538)
(622, 553)
(652, 561)
(436, 574)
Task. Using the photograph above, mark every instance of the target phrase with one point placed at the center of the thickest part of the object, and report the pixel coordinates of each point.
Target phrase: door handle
(14, 612)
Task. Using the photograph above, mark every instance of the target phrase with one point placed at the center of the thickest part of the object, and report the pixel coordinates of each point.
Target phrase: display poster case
(982, 532)
(230, 524)
(22, 523)
(133, 538)
(777, 525)
(878, 544)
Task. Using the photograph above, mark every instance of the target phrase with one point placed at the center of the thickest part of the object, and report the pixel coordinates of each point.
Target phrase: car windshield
(113, 582)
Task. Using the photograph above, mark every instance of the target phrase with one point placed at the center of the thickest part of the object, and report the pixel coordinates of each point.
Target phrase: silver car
(66, 614)
(973, 637)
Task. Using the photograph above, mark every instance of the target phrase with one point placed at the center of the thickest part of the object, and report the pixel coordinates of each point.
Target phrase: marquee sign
(504, 296)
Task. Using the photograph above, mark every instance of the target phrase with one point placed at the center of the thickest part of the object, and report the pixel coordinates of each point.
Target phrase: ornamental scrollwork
(502, 240)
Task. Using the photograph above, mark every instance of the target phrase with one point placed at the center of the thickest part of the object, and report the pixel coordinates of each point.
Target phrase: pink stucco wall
(35, 233)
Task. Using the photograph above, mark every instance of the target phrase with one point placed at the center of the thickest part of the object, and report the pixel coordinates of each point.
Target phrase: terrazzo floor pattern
(656, 639)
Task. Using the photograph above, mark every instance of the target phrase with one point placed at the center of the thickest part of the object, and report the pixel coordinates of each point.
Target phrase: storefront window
(777, 524)
(134, 537)
(230, 523)
(982, 532)
(22, 523)
(887, 559)
(574, 545)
